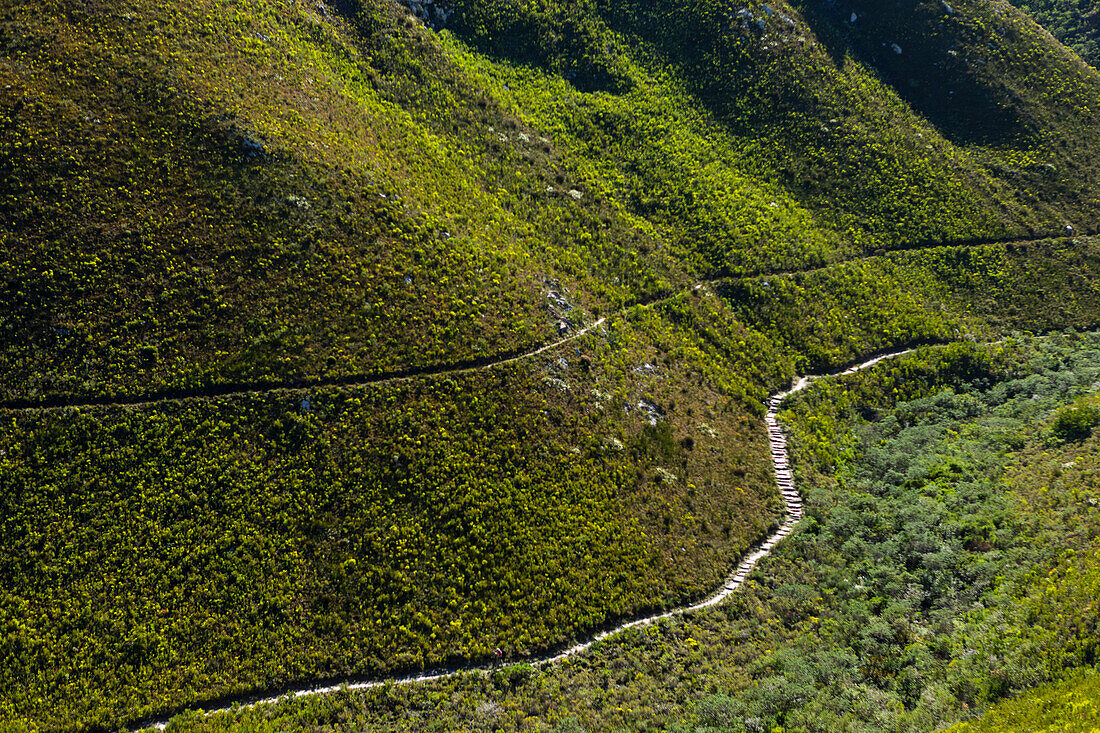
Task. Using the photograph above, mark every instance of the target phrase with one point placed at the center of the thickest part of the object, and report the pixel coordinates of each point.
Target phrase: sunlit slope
(238, 195)
(975, 125)
(231, 192)
(1070, 706)
(210, 192)
(1075, 23)
(252, 541)
(244, 543)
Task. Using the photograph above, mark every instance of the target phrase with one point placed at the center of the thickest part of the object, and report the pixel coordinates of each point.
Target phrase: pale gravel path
(792, 514)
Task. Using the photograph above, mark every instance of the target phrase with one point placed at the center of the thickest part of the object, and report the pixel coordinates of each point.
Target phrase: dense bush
(270, 194)
(224, 192)
(945, 563)
(1075, 23)
(1075, 423)
(463, 477)
(260, 539)
(1071, 706)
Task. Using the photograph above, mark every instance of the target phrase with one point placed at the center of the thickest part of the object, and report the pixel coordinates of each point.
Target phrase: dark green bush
(1075, 422)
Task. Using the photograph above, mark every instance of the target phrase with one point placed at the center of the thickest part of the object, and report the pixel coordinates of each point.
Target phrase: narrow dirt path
(792, 513)
(354, 380)
(449, 368)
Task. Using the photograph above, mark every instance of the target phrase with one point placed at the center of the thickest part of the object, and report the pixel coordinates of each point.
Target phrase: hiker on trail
(499, 654)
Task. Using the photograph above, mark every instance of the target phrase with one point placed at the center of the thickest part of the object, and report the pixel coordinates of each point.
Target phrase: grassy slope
(916, 592)
(1076, 23)
(388, 154)
(245, 544)
(281, 262)
(240, 544)
(232, 191)
(946, 140)
(1070, 706)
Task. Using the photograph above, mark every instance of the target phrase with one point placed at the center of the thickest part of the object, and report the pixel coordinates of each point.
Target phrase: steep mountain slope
(947, 559)
(298, 191)
(329, 227)
(1076, 23)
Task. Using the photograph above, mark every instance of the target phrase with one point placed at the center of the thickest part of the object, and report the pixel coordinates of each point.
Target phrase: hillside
(276, 279)
(230, 192)
(1067, 707)
(948, 560)
(1076, 23)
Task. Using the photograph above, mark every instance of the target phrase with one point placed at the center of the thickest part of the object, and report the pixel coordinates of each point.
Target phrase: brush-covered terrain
(948, 560)
(232, 192)
(273, 273)
(1076, 23)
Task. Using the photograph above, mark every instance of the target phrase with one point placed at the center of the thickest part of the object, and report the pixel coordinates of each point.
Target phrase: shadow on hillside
(570, 40)
(940, 71)
(916, 48)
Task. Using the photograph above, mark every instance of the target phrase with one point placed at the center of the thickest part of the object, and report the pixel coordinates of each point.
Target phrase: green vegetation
(368, 225)
(834, 315)
(248, 541)
(1064, 707)
(1075, 423)
(1075, 23)
(223, 192)
(948, 560)
(950, 139)
(285, 203)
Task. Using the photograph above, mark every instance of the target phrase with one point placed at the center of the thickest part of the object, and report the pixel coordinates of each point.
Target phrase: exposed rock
(666, 476)
(251, 147)
(652, 413)
(430, 12)
(559, 384)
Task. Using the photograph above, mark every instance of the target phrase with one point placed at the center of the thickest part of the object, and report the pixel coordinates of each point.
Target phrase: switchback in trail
(792, 513)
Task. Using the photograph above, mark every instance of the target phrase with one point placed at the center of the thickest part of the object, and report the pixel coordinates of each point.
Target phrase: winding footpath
(792, 514)
(232, 389)
(352, 380)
